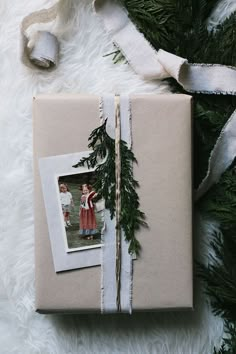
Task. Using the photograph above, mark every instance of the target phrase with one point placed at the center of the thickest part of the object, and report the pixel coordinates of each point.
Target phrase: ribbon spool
(45, 52)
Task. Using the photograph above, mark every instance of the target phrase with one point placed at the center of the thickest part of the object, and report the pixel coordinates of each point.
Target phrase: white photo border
(50, 169)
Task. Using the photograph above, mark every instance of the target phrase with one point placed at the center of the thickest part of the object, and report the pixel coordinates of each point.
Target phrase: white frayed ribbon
(195, 78)
(116, 294)
(149, 64)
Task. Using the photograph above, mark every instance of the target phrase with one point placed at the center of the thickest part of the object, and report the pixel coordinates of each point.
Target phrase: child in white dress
(66, 203)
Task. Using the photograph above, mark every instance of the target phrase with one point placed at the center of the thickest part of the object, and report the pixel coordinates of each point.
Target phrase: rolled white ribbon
(45, 50)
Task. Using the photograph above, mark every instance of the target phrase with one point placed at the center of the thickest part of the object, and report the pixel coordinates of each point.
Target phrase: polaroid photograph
(76, 217)
(82, 212)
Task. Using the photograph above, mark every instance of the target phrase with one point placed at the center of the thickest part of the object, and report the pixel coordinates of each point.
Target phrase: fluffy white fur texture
(82, 69)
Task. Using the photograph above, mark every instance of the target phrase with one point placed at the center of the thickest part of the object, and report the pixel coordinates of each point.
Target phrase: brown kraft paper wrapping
(161, 132)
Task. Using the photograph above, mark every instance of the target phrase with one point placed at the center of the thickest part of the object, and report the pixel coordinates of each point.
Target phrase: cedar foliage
(180, 27)
(102, 158)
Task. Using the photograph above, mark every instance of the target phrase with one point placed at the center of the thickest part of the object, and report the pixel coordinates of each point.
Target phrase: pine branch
(132, 219)
(180, 27)
(220, 201)
(156, 19)
(229, 341)
(219, 276)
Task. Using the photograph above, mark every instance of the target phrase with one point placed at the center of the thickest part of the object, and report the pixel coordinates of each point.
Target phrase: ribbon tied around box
(111, 150)
(149, 64)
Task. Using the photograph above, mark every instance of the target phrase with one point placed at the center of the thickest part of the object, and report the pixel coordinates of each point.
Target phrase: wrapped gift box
(161, 133)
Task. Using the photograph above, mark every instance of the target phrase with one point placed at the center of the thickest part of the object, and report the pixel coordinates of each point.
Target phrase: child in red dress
(87, 219)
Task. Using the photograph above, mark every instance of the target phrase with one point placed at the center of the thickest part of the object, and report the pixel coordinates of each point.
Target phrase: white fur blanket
(82, 69)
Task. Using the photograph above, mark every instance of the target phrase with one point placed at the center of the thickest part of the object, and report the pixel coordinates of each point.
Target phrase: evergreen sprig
(180, 27)
(103, 159)
(221, 269)
(229, 341)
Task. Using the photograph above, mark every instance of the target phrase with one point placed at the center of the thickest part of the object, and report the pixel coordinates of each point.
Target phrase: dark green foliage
(219, 274)
(222, 269)
(179, 26)
(220, 278)
(210, 115)
(229, 342)
(220, 201)
(103, 156)
(156, 19)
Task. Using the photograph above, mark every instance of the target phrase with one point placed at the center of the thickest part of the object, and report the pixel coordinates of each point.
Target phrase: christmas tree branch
(103, 158)
(180, 27)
